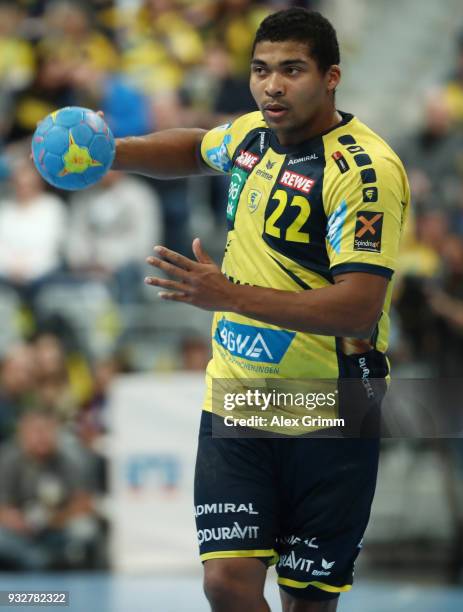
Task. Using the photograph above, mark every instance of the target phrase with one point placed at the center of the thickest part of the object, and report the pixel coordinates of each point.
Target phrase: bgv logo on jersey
(297, 181)
(246, 160)
(253, 343)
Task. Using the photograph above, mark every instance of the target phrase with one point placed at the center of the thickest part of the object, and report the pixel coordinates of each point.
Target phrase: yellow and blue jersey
(297, 216)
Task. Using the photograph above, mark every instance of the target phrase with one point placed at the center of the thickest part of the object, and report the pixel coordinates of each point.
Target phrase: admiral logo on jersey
(306, 158)
(246, 160)
(297, 181)
(368, 230)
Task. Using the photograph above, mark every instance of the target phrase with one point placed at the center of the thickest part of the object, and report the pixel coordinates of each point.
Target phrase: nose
(274, 87)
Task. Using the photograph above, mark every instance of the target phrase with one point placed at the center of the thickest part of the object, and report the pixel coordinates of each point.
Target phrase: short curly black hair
(304, 26)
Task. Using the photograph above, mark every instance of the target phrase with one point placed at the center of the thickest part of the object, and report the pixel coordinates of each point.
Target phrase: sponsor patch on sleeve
(368, 230)
(370, 194)
(246, 160)
(340, 162)
(218, 156)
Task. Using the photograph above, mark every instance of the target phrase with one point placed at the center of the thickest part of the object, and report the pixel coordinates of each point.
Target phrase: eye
(259, 70)
(293, 70)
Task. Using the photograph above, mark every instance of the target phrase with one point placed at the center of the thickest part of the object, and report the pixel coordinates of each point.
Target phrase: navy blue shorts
(301, 503)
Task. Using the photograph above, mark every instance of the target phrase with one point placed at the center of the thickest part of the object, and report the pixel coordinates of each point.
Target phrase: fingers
(166, 283)
(174, 296)
(167, 267)
(200, 253)
(175, 258)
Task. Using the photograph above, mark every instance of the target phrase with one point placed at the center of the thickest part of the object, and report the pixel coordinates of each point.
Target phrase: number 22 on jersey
(292, 232)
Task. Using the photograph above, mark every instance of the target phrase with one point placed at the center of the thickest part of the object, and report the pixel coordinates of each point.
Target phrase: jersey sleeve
(365, 218)
(218, 145)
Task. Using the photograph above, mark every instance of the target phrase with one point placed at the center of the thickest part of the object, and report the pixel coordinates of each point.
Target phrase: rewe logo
(297, 181)
(247, 160)
(253, 343)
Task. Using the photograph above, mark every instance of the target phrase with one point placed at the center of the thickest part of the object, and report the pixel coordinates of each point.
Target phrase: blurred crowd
(428, 309)
(149, 65)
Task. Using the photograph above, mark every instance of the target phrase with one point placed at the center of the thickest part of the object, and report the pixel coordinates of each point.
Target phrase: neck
(317, 125)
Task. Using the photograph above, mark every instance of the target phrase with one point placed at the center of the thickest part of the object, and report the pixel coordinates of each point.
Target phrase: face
(38, 435)
(290, 90)
(26, 182)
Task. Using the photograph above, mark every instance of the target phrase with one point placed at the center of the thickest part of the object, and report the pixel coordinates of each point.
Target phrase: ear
(333, 76)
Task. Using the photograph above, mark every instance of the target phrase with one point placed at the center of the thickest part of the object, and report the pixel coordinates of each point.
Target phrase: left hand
(200, 283)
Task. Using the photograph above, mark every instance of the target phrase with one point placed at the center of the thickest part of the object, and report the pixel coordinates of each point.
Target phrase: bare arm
(349, 308)
(166, 154)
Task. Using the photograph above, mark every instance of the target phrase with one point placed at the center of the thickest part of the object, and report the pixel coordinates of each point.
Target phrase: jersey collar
(310, 142)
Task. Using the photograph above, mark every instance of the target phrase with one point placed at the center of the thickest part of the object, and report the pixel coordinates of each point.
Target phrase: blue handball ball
(73, 148)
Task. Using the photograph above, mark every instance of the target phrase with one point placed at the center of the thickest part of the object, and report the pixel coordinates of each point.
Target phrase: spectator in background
(92, 419)
(68, 39)
(446, 302)
(127, 110)
(159, 45)
(434, 159)
(49, 90)
(16, 53)
(46, 511)
(53, 391)
(195, 353)
(17, 383)
(453, 89)
(234, 23)
(216, 95)
(112, 227)
(213, 92)
(70, 34)
(32, 233)
(17, 60)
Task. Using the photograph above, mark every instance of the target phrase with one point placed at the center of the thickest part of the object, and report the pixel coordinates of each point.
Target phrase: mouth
(275, 111)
